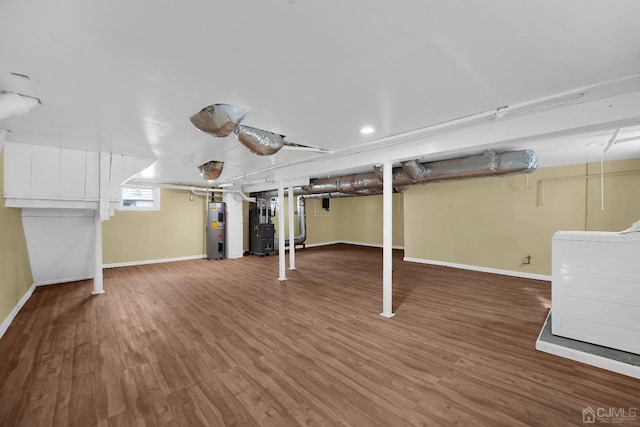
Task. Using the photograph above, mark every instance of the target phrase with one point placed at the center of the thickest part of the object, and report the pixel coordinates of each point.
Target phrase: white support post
(387, 233)
(281, 233)
(292, 242)
(97, 237)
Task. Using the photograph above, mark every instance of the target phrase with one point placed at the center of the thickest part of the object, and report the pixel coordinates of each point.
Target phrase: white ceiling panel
(125, 76)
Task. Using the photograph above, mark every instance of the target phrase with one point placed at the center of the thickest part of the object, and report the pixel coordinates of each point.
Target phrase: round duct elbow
(211, 170)
(258, 141)
(219, 119)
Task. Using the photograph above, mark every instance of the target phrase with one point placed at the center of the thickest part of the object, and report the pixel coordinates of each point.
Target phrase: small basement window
(140, 199)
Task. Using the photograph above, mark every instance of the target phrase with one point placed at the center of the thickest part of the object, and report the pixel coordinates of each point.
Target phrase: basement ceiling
(431, 77)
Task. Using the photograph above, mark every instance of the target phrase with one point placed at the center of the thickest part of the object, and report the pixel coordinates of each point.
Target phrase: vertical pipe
(97, 238)
(206, 223)
(292, 243)
(601, 181)
(387, 233)
(281, 233)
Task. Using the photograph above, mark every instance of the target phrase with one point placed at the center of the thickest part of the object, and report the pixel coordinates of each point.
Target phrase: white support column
(235, 225)
(281, 233)
(104, 185)
(387, 242)
(97, 237)
(292, 243)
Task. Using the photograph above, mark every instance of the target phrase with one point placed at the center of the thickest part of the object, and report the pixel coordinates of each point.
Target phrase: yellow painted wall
(497, 222)
(362, 219)
(15, 270)
(352, 219)
(321, 224)
(176, 230)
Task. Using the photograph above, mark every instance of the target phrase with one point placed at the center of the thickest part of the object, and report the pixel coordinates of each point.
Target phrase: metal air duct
(259, 141)
(489, 163)
(211, 170)
(219, 119)
(302, 224)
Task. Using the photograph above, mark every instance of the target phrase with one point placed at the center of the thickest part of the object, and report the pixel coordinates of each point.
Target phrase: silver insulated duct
(219, 119)
(260, 142)
(211, 170)
(302, 224)
(489, 163)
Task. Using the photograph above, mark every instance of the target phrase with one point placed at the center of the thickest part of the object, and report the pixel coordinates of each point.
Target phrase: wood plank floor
(225, 343)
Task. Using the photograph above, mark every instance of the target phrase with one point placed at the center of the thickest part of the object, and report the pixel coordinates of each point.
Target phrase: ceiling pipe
(193, 189)
(489, 163)
(613, 140)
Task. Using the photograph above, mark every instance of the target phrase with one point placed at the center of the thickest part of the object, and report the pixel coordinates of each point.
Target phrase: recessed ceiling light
(367, 130)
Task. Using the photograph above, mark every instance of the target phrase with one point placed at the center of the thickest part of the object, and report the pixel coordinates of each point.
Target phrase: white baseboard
(371, 245)
(482, 269)
(66, 280)
(153, 261)
(13, 313)
(313, 245)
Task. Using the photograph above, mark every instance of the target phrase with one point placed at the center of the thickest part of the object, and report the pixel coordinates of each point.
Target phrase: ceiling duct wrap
(414, 169)
(302, 225)
(260, 142)
(211, 170)
(489, 163)
(219, 119)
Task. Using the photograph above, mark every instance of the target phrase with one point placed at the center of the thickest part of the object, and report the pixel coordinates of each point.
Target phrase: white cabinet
(45, 172)
(17, 169)
(92, 187)
(38, 176)
(595, 294)
(73, 174)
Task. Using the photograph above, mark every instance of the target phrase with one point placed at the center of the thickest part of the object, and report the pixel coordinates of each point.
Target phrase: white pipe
(98, 285)
(191, 188)
(281, 234)
(612, 141)
(292, 243)
(206, 221)
(387, 241)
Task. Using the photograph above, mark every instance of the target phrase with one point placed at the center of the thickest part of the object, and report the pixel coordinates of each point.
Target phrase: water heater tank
(216, 230)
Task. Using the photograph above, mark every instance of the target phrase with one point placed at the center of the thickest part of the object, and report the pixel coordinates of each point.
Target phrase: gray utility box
(216, 230)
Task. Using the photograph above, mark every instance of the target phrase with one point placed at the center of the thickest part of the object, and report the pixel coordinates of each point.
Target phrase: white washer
(595, 291)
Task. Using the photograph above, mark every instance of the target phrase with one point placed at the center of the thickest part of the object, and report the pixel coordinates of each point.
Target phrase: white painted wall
(59, 190)
(235, 226)
(60, 244)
